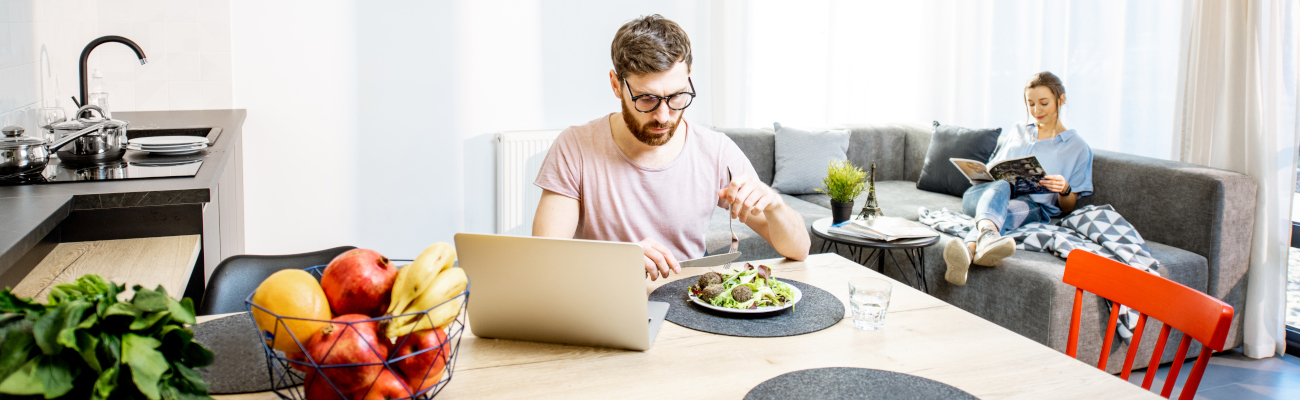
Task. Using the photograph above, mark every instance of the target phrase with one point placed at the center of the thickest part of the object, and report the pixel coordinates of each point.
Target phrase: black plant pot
(841, 212)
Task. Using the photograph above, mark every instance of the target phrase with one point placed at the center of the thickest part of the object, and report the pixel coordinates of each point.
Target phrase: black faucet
(85, 55)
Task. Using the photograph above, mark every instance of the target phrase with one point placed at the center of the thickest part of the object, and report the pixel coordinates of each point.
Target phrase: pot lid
(14, 139)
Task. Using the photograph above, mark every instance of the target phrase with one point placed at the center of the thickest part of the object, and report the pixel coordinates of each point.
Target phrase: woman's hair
(1051, 82)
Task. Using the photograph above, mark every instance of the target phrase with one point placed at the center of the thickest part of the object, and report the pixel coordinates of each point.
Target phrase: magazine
(886, 229)
(1022, 173)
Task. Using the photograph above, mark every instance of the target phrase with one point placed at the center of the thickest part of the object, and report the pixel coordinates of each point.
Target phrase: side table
(867, 251)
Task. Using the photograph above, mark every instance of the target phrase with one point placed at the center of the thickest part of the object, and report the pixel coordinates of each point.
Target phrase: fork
(735, 243)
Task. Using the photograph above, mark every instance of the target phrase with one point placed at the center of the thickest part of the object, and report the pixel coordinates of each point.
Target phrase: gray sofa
(1197, 221)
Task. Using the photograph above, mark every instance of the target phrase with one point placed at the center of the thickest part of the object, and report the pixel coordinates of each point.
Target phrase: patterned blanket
(1096, 228)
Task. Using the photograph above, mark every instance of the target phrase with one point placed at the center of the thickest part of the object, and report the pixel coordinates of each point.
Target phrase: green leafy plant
(86, 344)
(843, 181)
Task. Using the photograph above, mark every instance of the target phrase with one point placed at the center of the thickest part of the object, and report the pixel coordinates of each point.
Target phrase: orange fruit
(293, 295)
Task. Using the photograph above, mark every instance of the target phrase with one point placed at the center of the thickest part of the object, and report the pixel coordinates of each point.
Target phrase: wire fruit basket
(346, 372)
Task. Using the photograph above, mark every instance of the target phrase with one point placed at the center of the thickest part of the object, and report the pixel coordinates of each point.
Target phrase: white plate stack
(168, 144)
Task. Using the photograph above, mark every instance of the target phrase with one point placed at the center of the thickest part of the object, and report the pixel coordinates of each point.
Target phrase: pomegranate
(348, 341)
(422, 370)
(359, 281)
(387, 387)
(315, 388)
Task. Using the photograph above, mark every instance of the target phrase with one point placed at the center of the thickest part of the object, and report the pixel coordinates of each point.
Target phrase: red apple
(359, 281)
(422, 370)
(387, 387)
(315, 388)
(347, 341)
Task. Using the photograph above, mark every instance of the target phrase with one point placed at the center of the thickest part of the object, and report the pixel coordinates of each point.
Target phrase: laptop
(568, 291)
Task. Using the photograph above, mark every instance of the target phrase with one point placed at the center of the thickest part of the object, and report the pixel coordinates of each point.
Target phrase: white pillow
(802, 157)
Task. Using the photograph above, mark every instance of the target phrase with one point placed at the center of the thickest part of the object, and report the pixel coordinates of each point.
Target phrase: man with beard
(646, 175)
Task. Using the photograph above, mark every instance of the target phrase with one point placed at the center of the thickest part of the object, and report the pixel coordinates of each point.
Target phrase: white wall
(410, 94)
(187, 43)
(295, 70)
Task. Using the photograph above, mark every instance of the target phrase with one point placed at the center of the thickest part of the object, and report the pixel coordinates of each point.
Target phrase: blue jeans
(992, 201)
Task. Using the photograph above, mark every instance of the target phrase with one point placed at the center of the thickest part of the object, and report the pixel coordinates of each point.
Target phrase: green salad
(746, 288)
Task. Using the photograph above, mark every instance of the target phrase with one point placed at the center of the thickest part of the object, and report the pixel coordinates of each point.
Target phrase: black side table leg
(871, 257)
(918, 270)
(899, 267)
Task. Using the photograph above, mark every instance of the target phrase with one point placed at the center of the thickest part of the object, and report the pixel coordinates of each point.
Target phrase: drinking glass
(47, 117)
(869, 299)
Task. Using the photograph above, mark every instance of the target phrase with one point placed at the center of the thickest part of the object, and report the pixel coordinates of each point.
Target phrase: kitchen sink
(209, 132)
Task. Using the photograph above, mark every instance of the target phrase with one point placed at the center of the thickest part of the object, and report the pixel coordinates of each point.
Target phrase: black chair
(238, 276)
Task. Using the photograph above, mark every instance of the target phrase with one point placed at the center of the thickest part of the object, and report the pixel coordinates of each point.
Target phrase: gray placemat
(239, 360)
(852, 383)
(816, 311)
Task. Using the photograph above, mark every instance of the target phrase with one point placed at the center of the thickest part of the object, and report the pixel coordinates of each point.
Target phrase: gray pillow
(940, 175)
(802, 157)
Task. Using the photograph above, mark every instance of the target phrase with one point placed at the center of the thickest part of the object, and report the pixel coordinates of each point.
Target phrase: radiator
(519, 157)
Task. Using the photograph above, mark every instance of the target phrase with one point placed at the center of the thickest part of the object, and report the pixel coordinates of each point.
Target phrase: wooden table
(149, 262)
(923, 336)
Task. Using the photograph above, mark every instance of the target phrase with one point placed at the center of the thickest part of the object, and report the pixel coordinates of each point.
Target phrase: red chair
(1196, 314)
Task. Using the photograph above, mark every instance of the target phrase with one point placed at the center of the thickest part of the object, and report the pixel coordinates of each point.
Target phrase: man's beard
(642, 132)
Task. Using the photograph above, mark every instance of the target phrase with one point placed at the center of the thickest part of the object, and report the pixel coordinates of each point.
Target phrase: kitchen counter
(34, 218)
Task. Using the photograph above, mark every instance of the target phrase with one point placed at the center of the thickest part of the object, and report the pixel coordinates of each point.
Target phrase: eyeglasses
(648, 102)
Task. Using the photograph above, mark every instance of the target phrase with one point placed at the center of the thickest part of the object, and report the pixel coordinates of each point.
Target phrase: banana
(412, 280)
(445, 314)
(447, 285)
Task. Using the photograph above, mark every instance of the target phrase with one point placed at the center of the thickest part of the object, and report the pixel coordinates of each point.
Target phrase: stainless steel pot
(107, 144)
(21, 155)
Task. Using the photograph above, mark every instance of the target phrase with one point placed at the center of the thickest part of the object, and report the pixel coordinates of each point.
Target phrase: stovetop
(133, 166)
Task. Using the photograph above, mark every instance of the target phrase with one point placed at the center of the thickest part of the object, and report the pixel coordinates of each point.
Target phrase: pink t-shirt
(621, 201)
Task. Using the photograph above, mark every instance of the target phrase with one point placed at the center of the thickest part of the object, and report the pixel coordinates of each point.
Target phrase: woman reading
(1061, 152)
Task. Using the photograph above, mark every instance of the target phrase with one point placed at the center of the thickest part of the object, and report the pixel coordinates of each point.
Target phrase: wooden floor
(1232, 375)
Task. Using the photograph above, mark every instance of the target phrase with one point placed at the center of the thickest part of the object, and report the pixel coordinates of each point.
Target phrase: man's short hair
(648, 45)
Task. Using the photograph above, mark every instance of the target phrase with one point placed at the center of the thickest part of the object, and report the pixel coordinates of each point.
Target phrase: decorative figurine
(872, 208)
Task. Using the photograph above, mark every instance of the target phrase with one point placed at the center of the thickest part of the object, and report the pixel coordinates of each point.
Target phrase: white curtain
(1237, 110)
(959, 62)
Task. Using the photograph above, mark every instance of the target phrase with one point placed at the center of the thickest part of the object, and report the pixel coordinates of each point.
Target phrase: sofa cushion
(881, 144)
(759, 145)
(896, 199)
(802, 157)
(938, 174)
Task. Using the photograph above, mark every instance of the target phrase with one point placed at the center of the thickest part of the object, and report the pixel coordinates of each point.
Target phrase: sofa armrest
(1207, 211)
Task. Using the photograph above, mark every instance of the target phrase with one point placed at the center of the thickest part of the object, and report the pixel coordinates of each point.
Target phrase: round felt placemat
(852, 383)
(239, 360)
(818, 310)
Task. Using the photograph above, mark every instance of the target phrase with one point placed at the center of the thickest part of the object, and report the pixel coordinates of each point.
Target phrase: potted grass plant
(843, 182)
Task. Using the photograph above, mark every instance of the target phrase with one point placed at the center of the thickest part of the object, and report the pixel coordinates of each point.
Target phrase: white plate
(181, 146)
(798, 295)
(168, 140)
(184, 150)
(166, 149)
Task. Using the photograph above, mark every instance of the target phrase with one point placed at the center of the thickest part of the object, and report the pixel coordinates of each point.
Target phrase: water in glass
(869, 300)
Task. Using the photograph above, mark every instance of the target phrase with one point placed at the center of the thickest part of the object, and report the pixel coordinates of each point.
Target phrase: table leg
(869, 258)
(918, 269)
(899, 267)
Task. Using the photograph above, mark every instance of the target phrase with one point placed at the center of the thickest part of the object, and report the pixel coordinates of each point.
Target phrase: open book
(883, 228)
(1022, 173)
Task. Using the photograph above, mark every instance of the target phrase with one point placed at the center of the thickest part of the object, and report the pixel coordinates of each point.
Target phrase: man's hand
(1055, 183)
(658, 259)
(749, 196)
